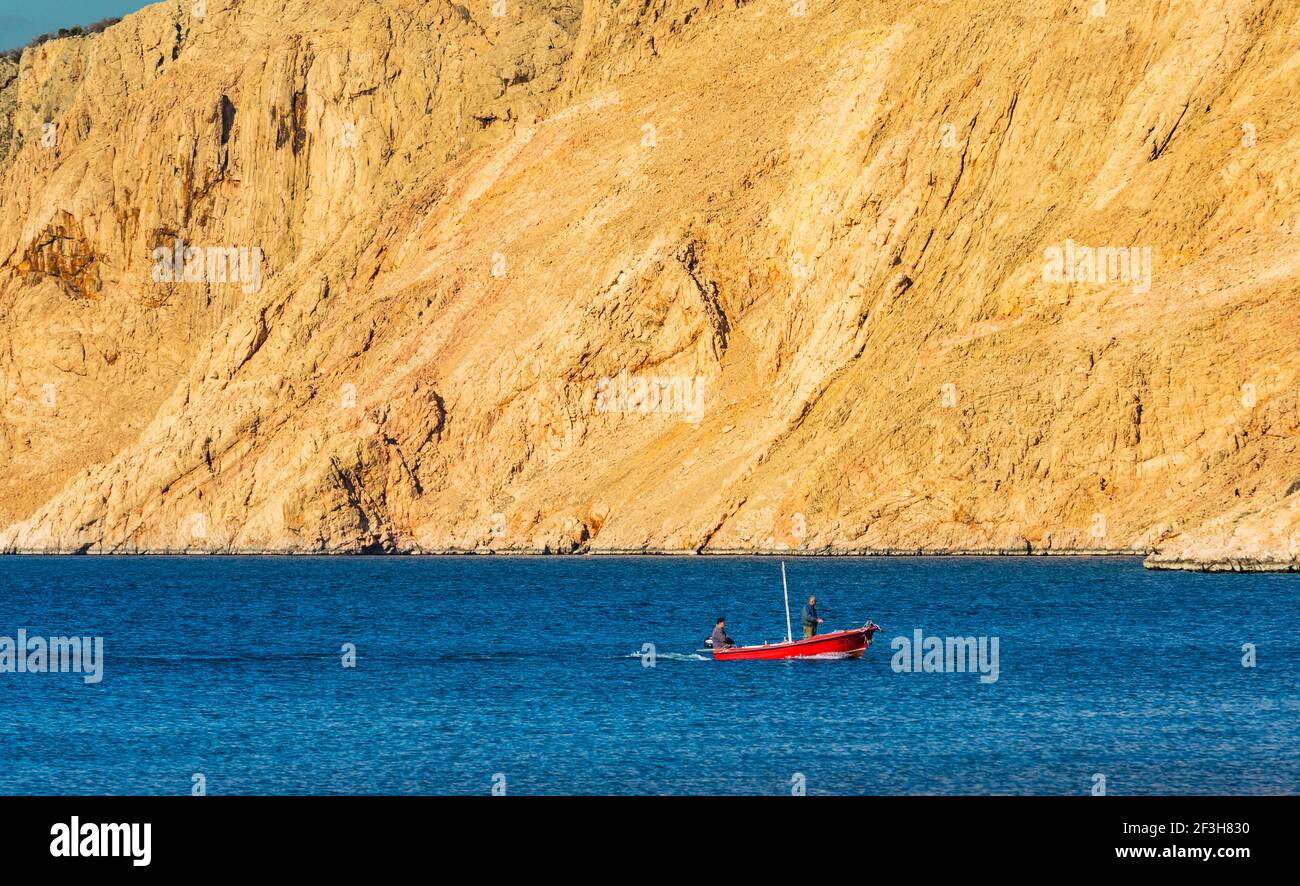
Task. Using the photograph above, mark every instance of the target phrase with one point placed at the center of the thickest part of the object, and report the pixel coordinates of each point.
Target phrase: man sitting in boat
(720, 640)
(810, 619)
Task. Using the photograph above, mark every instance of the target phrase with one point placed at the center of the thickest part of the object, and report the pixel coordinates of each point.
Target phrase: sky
(21, 20)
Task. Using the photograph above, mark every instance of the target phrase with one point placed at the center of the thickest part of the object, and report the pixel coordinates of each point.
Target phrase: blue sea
(558, 675)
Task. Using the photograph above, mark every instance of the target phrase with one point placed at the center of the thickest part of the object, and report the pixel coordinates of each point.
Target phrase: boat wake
(672, 656)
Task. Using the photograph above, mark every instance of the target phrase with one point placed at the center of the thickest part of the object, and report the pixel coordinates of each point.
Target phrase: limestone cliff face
(676, 275)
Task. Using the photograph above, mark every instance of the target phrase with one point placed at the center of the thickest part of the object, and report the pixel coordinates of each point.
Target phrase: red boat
(841, 644)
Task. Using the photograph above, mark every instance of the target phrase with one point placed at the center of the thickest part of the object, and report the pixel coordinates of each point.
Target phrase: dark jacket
(720, 639)
(809, 616)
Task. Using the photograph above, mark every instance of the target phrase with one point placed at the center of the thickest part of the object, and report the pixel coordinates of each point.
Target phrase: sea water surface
(533, 673)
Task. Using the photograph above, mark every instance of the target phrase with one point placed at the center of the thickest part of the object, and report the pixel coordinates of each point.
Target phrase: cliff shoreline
(1149, 557)
(878, 279)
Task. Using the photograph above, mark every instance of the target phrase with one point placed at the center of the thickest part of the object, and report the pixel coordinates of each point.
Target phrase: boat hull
(840, 644)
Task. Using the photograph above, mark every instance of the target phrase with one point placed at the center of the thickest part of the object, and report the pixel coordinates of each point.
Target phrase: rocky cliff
(685, 275)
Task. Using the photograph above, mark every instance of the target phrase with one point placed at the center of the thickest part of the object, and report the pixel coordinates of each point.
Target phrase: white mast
(789, 637)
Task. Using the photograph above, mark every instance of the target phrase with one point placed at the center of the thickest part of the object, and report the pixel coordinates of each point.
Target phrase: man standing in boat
(810, 619)
(720, 640)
